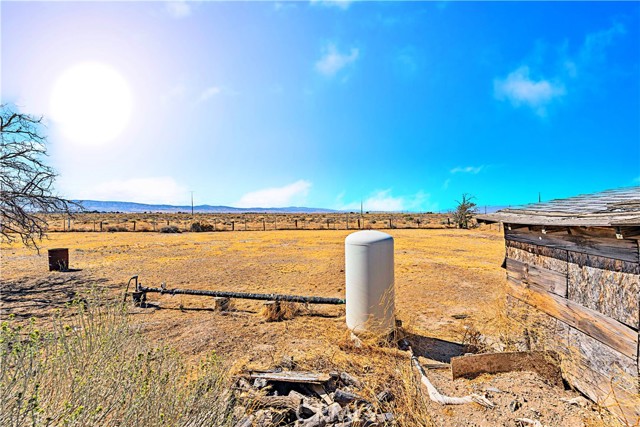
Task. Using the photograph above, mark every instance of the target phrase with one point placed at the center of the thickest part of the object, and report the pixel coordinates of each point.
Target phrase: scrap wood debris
(306, 399)
(529, 422)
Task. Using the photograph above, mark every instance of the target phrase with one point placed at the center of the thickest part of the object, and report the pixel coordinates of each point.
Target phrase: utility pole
(192, 205)
(539, 197)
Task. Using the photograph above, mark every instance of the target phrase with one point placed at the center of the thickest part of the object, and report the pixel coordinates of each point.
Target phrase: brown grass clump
(275, 311)
(95, 368)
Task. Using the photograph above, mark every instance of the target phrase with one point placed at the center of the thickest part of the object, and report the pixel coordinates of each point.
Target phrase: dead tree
(26, 181)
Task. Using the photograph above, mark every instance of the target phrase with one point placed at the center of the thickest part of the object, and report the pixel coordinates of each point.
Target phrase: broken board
(292, 376)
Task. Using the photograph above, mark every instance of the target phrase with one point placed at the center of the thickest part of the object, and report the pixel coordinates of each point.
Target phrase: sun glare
(92, 103)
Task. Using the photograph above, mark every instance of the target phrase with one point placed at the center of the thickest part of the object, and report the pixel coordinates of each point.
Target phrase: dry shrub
(503, 331)
(275, 311)
(95, 368)
(198, 227)
(170, 229)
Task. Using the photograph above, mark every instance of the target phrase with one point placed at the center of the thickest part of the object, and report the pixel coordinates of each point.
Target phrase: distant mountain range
(130, 207)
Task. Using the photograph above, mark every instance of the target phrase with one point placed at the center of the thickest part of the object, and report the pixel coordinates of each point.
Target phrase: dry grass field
(449, 291)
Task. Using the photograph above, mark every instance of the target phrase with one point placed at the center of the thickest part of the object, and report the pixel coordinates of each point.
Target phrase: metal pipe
(243, 295)
(126, 292)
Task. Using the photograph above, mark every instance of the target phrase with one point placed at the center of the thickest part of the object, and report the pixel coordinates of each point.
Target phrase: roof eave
(561, 221)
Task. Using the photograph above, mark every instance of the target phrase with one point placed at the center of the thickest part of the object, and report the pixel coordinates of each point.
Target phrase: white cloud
(340, 4)
(162, 189)
(384, 201)
(519, 88)
(445, 184)
(333, 61)
(587, 61)
(595, 44)
(467, 169)
(209, 92)
(284, 5)
(178, 8)
(276, 197)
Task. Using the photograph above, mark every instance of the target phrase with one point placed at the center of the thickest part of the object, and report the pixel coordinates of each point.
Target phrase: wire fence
(180, 222)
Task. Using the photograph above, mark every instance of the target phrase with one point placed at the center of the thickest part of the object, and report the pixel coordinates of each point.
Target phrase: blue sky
(404, 105)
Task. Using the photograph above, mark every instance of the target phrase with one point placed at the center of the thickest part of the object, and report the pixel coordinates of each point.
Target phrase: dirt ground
(449, 290)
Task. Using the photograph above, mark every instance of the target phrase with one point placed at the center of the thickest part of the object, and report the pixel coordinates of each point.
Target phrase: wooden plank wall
(578, 292)
(563, 238)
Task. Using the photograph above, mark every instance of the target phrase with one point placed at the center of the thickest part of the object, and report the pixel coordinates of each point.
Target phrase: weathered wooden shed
(573, 273)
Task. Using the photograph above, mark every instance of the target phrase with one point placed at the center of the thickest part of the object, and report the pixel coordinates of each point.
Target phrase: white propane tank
(369, 276)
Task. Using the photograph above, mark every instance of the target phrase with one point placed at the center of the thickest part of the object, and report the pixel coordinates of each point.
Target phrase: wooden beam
(604, 329)
(516, 226)
(548, 229)
(602, 246)
(292, 376)
(630, 232)
(551, 281)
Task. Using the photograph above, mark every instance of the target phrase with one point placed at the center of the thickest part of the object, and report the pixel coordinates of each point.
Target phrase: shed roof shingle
(620, 207)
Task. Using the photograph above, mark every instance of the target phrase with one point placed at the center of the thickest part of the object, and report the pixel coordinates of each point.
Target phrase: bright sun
(92, 103)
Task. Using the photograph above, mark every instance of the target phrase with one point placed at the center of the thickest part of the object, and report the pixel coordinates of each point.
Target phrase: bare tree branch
(26, 181)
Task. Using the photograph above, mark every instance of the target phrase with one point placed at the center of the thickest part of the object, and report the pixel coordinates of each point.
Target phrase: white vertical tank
(369, 278)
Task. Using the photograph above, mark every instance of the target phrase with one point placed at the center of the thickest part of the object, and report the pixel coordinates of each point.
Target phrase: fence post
(296, 224)
(264, 225)
(233, 226)
(134, 226)
(347, 221)
(245, 224)
(100, 225)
